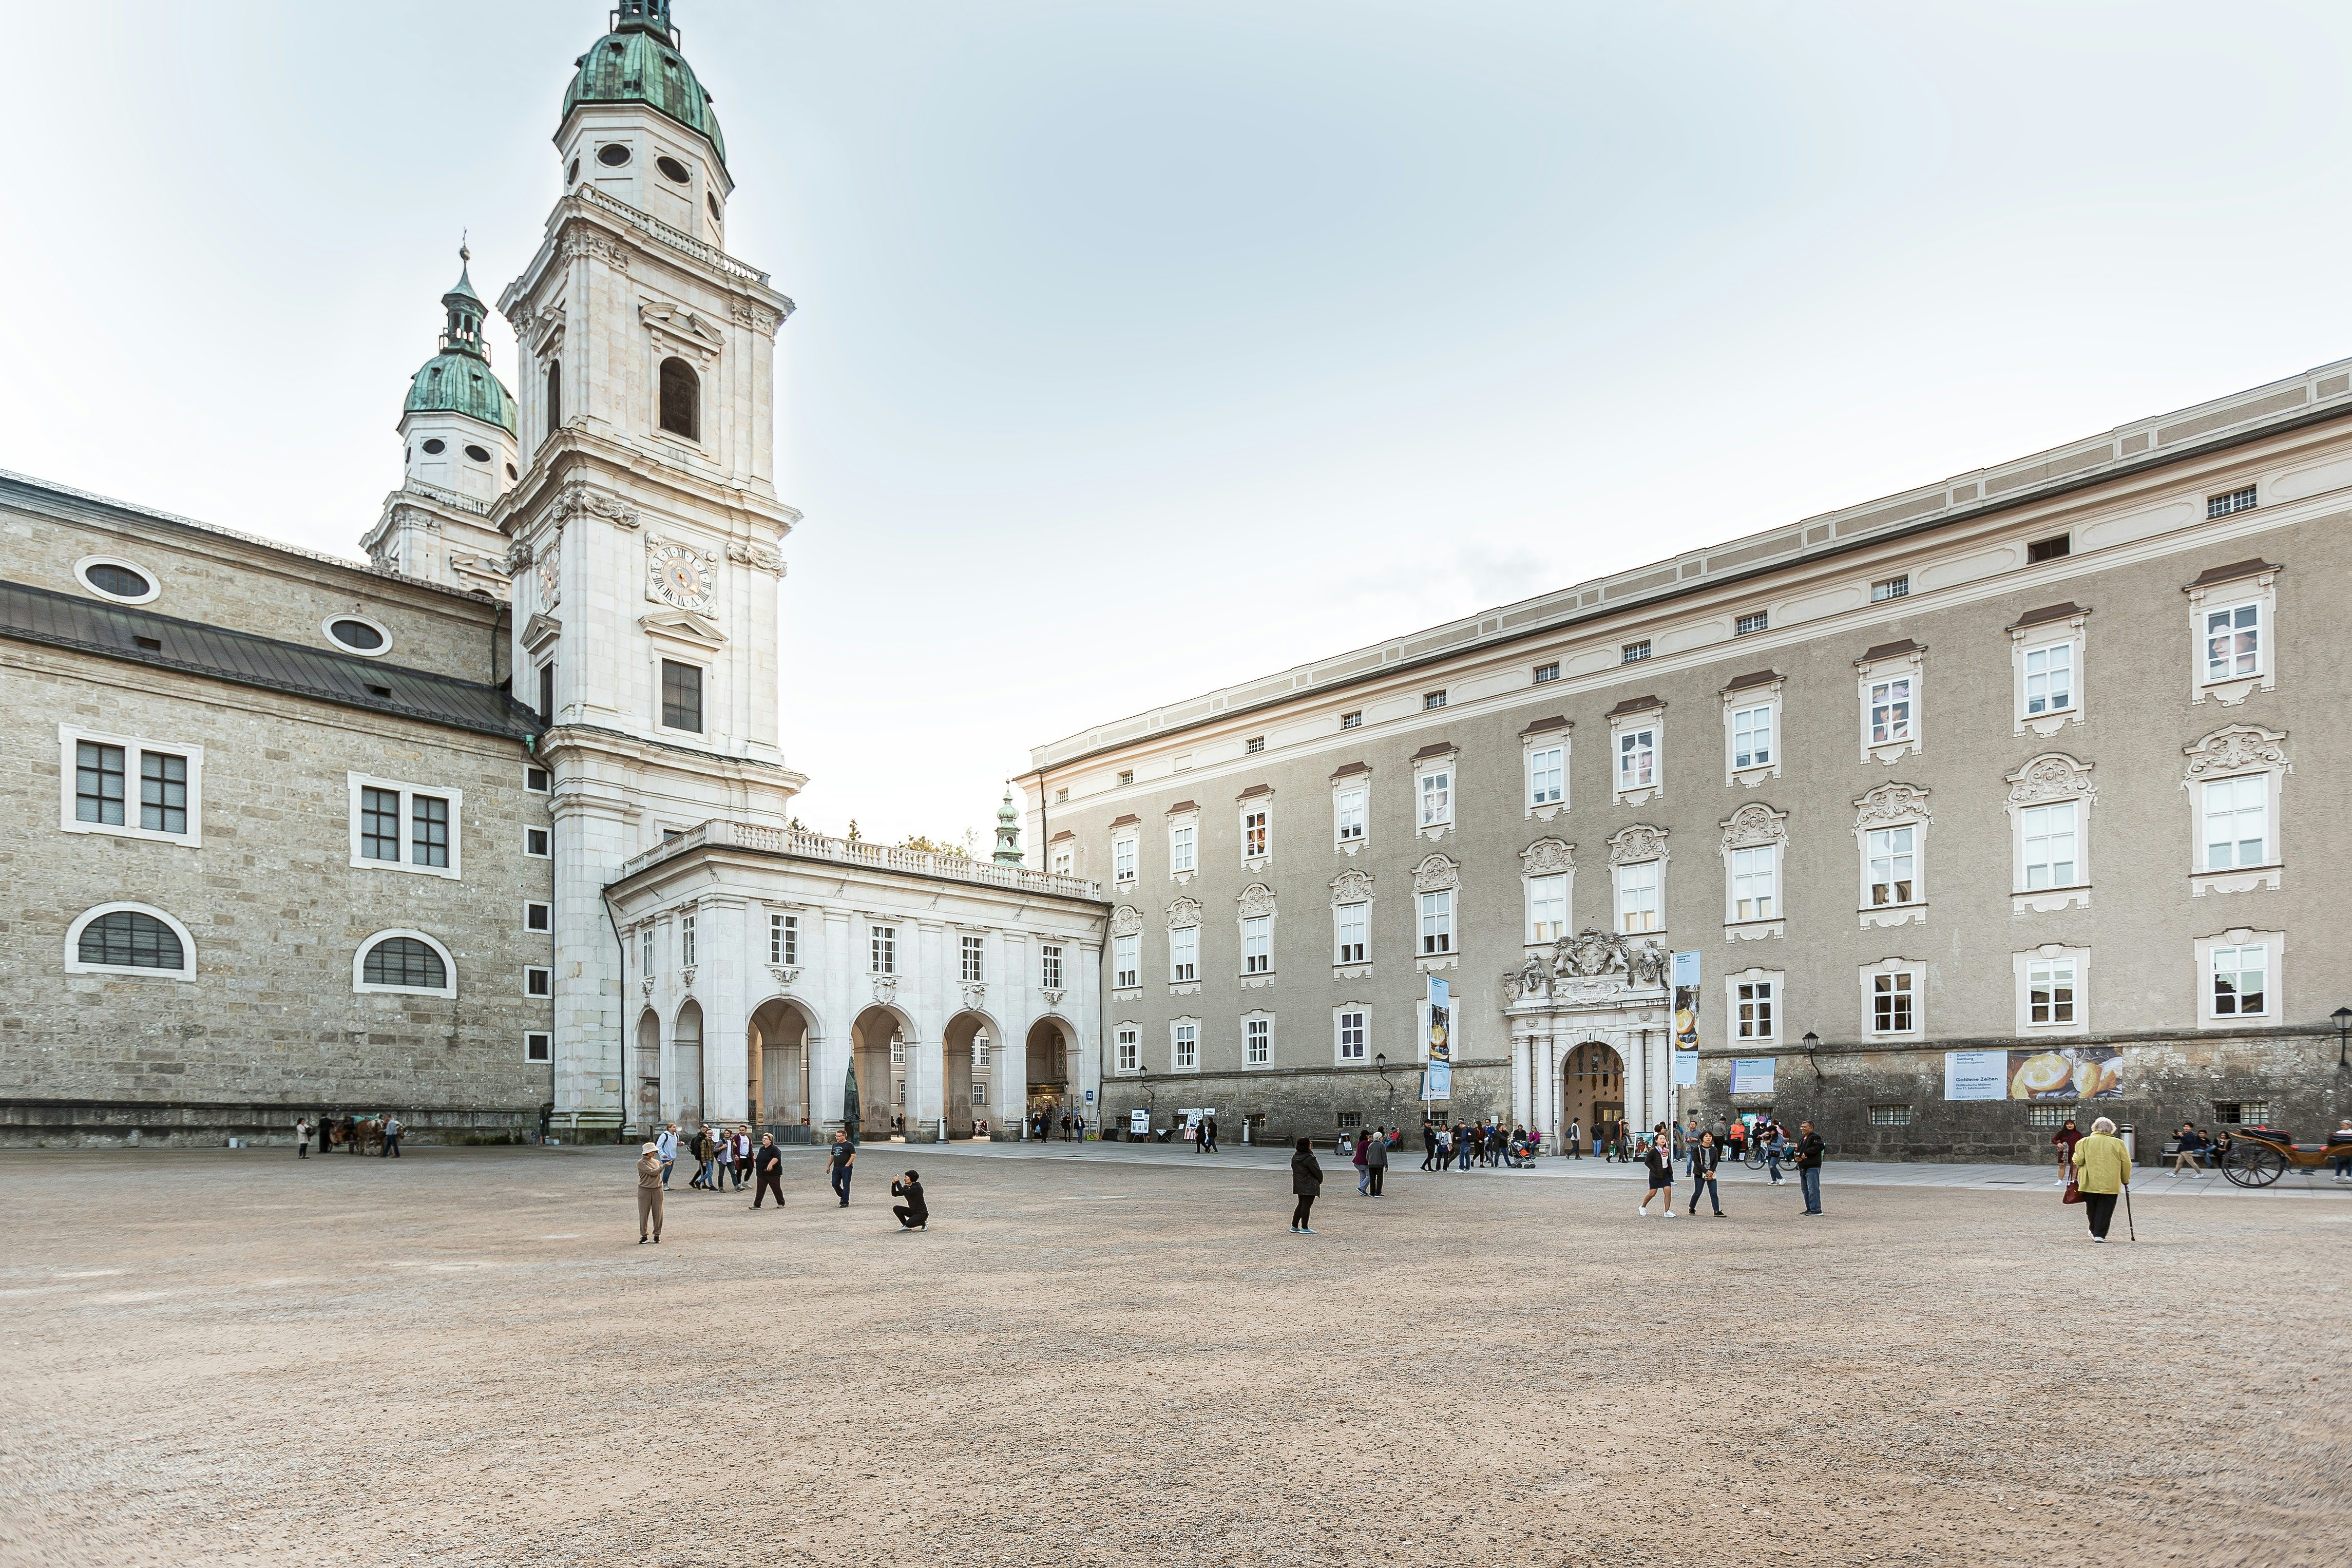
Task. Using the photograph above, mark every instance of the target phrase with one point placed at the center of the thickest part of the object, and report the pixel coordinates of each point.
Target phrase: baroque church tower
(643, 531)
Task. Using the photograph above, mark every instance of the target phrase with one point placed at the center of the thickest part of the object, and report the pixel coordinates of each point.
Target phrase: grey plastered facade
(2134, 920)
(270, 1020)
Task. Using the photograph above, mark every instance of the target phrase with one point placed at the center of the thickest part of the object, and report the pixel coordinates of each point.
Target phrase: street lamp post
(2342, 1019)
(1812, 1048)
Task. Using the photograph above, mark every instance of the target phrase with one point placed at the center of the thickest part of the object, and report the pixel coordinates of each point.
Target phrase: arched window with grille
(681, 399)
(130, 939)
(404, 961)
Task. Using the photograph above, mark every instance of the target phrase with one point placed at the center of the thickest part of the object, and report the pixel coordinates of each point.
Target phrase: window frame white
(1127, 1049)
(529, 907)
(1353, 916)
(1182, 1044)
(881, 949)
(73, 961)
(1126, 858)
(1257, 1036)
(1546, 756)
(1764, 696)
(1260, 807)
(81, 578)
(135, 749)
(543, 837)
(539, 1048)
(1917, 990)
(1257, 945)
(1352, 799)
(1051, 966)
(1184, 940)
(1341, 1027)
(2231, 754)
(707, 690)
(783, 939)
(2050, 954)
(1434, 776)
(1890, 806)
(1126, 960)
(1753, 856)
(1184, 836)
(2041, 637)
(367, 945)
(972, 958)
(1626, 732)
(1545, 897)
(1906, 665)
(2274, 1008)
(1637, 877)
(1775, 1001)
(2050, 780)
(1434, 909)
(538, 971)
(355, 783)
(326, 630)
(687, 955)
(2256, 588)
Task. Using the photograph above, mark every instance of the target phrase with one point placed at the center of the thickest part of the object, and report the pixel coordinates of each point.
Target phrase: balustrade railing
(802, 845)
(701, 250)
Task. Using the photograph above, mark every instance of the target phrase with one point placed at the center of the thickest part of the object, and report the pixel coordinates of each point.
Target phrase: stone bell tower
(644, 534)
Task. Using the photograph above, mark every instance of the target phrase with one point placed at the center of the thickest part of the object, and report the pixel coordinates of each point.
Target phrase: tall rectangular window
(1253, 833)
(1893, 864)
(163, 792)
(1351, 1037)
(1751, 736)
(1126, 961)
(1637, 758)
(1122, 860)
(971, 962)
(1436, 922)
(1890, 1004)
(1756, 883)
(784, 940)
(681, 696)
(1184, 954)
(97, 784)
(1049, 966)
(1637, 897)
(1131, 1050)
(1347, 806)
(1547, 908)
(1890, 712)
(547, 693)
(2237, 822)
(1063, 856)
(2049, 835)
(2241, 980)
(1257, 1041)
(882, 945)
(2233, 642)
(1188, 1046)
(2049, 679)
(686, 941)
(645, 950)
(1180, 847)
(1350, 920)
(1547, 776)
(379, 824)
(538, 917)
(2050, 990)
(1257, 945)
(1437, 797)
(1754, 1000)
(428, 838)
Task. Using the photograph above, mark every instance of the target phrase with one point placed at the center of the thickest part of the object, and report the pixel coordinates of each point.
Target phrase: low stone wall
(1307, 1103)
(103, 1124)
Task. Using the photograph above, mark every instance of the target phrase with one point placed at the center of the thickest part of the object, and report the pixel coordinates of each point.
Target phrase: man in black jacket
(914, 1213)
(1809, 1150)
(768, 1166)
(1705, 1157)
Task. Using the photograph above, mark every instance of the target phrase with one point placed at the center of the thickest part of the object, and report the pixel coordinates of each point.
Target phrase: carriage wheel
(2254, 1165)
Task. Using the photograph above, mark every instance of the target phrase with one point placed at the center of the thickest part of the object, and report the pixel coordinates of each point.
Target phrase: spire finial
(464, 255)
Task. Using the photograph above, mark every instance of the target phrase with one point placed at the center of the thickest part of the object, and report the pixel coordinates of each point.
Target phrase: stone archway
(1591, 1091)
(969, 1052)
(880, 1043)
(777, 1056)
(648, 1076)
(686, 1053)
(1053, 1069)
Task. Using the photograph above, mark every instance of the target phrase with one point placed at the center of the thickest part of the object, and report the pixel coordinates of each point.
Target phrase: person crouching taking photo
(914, 1213)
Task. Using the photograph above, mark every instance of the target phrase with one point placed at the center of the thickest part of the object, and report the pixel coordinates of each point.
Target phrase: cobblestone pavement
(1113, 1356)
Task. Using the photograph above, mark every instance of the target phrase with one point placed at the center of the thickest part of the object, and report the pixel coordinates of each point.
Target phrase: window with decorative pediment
(2233, 616)
(2053, 990)
(1753, 839)
(2050, 801)
(1184, 943)
(1752, 728)
(1636, 750)
(2046, 647)
(1890, 828)
(1545, 745)
(1637, 874)
(2238, 978)
(1548, 876)
(1351, 918)
(1435, 881)
(2235, 778)
(1126, 948)
(1256, 902)
(1889, 680)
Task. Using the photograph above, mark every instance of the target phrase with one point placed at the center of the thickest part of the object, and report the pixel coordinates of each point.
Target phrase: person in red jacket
(2064, 1141)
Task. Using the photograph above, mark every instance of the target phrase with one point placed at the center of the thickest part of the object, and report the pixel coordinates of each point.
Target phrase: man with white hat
(649, 1192)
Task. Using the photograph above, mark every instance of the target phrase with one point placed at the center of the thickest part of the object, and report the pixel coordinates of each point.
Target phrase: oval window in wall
(359, 634)
(436, 447)
(117, 580)
(571, 175)
(611, 155)
(672, 169)
(712, 198)
(480, 453)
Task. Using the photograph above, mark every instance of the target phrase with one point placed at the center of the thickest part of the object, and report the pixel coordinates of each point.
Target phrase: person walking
(1376, 1161)
(843, 1155)
(1774, 1147)
(1809, 1150)
(701, 1177)
(301, 1138)
(650, 1171)
(1306, 1185)
(1362, 1159)
(1209, 1131)
(1659, 1158)
(667, 1144)
(2102, 1170)
(1428, 1143)
(1704, 1161)
(2064, 1141)
(1465, 1148)
(1575, 1138)
(1624, 1143)
(392, 1132)
(2339, 1149)
(914, 1213)
(768, 1166)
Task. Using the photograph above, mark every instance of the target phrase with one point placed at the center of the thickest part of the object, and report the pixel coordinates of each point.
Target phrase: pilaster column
(1524, 1048)
(589, 840)
(1545, 1090)
(721, 933)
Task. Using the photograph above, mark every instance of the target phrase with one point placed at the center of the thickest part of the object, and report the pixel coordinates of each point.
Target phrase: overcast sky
(1145, 346)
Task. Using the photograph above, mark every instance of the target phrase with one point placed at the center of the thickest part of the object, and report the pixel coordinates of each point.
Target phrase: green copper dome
(457, 380)
(638, 62)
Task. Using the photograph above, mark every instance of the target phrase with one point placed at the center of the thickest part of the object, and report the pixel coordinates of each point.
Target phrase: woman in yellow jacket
(2102, 1170)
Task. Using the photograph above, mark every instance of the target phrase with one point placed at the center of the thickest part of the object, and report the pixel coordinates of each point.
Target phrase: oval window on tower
(480, 453)
(357, 635)
(672, 169)
(117, 580)
(712, 198)
(571, 175)
(511, 473)
(613, 155)
(436, 447)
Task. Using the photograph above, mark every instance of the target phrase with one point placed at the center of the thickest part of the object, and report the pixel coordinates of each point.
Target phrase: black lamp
(2342, 1019)
(1812, 1048)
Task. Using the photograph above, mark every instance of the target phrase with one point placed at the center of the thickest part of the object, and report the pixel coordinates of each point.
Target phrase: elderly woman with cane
(2102, 1171)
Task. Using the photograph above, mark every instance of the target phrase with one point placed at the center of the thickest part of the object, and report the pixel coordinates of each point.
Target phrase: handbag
(2073, 1189)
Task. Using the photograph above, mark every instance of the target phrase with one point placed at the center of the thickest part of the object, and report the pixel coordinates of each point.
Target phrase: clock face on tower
(679, 576)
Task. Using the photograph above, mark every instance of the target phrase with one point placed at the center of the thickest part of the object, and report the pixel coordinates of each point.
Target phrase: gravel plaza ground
(1111, 1354)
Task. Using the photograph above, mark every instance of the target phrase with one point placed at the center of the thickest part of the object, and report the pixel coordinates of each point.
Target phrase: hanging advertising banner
(1686, 1007)
(2077, 1072)
(1685, 969)
(1437, 1082)
(1686, 1070)
(1976, 1075)
(1441, 1021)
(1752, 1075)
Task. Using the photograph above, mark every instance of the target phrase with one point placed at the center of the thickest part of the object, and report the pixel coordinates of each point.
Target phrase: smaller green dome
(457, 380)
(638, 62)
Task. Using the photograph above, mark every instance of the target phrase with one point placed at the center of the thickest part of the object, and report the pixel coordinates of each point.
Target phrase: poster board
(1753, 1075)
(1976, 1075)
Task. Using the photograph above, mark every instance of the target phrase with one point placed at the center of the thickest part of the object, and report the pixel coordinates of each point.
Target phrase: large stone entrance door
(1591, 1091)
(966, 1051)
(878, 1049)
(778, 1058)
(686, 1048)
(1049, 1071)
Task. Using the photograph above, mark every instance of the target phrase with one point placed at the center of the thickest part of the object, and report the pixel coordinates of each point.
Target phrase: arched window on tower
(554, 397)
(681, 399)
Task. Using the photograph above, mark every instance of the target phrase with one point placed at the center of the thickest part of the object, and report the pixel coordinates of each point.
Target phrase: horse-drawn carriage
(2257, 1156)
(352, 1135)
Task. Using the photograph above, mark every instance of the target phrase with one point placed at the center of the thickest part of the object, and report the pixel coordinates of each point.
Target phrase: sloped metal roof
(114, 631)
